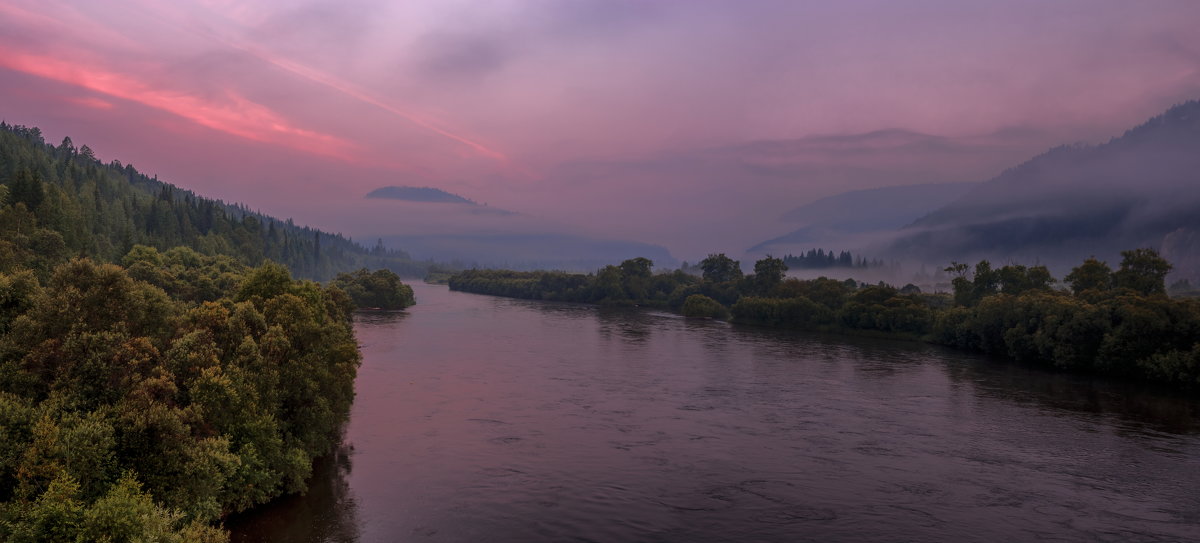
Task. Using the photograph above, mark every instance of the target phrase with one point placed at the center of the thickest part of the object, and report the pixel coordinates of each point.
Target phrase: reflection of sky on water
(481, 418)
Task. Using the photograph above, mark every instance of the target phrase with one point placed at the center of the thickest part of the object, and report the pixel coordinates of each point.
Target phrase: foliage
(768, 273)
(380, 289)
(699, 305)
(719, 268)
(1092, 275)
(1113, 323)
(145, 403)
(1142, 271)
(632, 282)
(1012, 279)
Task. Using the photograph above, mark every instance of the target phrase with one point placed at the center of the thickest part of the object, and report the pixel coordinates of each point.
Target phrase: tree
(1143, 271)
(637, 267)
(985, 282)
(26, 188)
(267, 281)
(768, 273)
(962, 285)
(1016, 279)
(719, 268)
(1091, 275)
(67, 147)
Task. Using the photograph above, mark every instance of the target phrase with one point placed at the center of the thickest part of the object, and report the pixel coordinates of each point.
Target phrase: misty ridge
(1132, 191)
(450, 228)
(1069, 203)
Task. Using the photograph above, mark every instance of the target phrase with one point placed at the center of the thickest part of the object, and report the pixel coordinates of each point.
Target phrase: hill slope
(78, 205)
(1076, 201)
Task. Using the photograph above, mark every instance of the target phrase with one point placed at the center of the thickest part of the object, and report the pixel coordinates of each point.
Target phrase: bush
(699, 305)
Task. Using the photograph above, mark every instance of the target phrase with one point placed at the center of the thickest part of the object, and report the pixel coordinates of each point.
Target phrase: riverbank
(1115, 323)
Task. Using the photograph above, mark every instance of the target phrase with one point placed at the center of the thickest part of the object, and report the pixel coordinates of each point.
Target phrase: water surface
(488, 419)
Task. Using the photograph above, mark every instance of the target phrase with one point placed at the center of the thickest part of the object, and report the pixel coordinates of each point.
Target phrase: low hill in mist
(418, 194)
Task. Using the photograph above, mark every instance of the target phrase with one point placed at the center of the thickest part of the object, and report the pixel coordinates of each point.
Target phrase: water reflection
(326, 513)
(482, 418)
(1136, 405)
(626, 323)
(379, 318)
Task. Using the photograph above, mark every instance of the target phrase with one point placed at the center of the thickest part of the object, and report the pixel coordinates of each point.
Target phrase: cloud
(666, 102)
(233, 114)
(459, 59)
(92, 102)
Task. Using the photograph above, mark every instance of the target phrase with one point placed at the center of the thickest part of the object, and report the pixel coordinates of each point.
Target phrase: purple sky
(612, 118)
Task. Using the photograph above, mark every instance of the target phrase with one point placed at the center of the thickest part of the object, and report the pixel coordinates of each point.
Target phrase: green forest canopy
(145, 401)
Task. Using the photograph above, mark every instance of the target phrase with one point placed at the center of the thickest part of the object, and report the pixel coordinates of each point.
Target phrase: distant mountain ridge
(1075, 201)
(418, 194)
(835, 219)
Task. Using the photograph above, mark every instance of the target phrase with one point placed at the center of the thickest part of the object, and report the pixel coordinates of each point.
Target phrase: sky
(690, 124)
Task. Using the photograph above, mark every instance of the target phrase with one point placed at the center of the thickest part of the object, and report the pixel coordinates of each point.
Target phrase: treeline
(145, 402)
(1117, 323)
(61, 201)
(816, 259)
(632, 282)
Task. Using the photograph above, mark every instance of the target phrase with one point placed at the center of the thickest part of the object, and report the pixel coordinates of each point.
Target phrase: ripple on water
(567, 423)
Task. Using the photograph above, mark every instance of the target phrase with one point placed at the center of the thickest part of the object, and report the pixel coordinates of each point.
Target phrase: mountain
(418, 194)
(529, 251)
(849, 219)
(743, 187)
(1076, 201)
(433, 224)
(60, 201)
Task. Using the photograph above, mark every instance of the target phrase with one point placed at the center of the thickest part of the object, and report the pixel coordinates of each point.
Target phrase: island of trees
(158, 369)
(380, 289)
(1113, 322)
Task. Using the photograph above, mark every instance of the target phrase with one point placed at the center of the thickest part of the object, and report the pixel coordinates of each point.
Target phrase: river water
(489, 419)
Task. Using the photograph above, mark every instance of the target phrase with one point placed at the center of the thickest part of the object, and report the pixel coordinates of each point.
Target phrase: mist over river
(490, 419)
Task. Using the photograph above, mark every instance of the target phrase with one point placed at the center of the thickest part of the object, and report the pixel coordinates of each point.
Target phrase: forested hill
(60, 201)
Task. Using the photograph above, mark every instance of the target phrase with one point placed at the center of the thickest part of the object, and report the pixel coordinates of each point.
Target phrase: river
(489, 419)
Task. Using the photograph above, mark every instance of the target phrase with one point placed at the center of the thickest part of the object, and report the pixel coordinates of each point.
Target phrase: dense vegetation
(1117, 323)
(380, 289)
(62, 201)
(145, 402)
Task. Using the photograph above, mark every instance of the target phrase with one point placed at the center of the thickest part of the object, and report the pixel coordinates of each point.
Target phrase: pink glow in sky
(614, 118)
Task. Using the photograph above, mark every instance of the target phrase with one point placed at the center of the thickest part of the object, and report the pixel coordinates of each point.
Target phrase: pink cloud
(234, 115)
(237, 19)
(91, 102)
